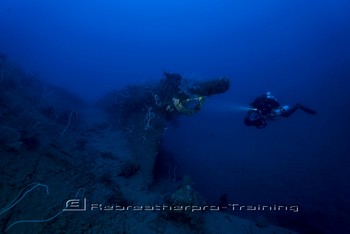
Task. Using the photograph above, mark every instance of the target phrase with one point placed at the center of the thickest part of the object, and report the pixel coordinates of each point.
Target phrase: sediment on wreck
(143, 112)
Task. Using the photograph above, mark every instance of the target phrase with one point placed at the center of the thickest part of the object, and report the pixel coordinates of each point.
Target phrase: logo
(75, 205)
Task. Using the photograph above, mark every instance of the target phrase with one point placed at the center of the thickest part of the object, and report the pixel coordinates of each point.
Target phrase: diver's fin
(307, 110)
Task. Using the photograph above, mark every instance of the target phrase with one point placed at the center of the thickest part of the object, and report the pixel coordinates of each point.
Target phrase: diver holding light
(266, 108)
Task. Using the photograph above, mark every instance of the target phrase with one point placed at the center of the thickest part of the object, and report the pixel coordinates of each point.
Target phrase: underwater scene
(167, 117)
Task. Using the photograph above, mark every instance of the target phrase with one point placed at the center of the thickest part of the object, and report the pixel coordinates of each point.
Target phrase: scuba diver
(266, 108)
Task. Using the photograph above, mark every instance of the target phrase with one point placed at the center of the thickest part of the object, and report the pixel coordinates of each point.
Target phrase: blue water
(298, 50)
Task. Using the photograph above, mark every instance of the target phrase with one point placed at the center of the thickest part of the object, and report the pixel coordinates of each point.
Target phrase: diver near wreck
(266, 108)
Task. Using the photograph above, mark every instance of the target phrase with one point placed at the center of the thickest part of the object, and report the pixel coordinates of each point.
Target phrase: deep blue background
(299, 50)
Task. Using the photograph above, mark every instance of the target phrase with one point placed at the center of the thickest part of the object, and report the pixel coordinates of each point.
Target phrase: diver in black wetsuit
(266, 108)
